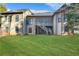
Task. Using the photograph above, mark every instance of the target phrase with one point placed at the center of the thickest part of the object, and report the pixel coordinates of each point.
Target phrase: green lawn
(39, 45)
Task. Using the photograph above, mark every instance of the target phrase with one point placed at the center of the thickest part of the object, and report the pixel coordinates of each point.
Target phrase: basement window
(7, 29)
(17, 29)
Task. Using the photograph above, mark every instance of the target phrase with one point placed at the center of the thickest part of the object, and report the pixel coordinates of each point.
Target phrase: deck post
(33, 27)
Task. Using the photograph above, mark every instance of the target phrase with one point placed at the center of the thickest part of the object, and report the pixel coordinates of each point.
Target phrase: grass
(39, 45)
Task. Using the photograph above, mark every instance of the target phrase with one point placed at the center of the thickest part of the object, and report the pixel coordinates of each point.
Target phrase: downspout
(61, 23)
(56, 23)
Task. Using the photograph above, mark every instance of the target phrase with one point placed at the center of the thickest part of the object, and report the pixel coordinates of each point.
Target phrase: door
(29, 30)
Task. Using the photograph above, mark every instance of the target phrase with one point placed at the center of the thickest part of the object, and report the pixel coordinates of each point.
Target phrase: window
(17, 29)
(5, 18)
(59, 19)
(7, 29)
(17, 18)
(29, 21)
(9, 18)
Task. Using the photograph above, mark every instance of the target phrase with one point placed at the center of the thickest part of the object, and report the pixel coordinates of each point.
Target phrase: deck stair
(47, 30)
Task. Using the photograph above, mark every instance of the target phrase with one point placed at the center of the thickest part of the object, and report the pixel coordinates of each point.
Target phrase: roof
(59, 10)
(9, 12)
(18, 11)
(21, 10)
(42, 14)
(39, 11)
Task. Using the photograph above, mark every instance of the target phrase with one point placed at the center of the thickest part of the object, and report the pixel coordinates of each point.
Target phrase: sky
(51, 7)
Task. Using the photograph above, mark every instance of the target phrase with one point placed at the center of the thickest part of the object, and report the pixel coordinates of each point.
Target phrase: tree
(72, 16)
(2, 8)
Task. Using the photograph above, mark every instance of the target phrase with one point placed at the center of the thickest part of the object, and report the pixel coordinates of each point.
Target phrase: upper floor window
(59, 19)
(5, 18)
(17, 18)
(9, 18)
(29, 21)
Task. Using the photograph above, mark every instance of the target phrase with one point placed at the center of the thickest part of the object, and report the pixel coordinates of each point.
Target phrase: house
(60, 21)
(13, 22)
(26, 22)
(34, 22)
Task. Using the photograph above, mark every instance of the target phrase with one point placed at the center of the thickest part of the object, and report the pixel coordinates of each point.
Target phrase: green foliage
(72, 15)
(2, 8)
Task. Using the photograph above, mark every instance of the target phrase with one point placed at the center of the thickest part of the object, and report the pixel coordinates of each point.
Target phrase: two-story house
(29, 22)
(26, 22)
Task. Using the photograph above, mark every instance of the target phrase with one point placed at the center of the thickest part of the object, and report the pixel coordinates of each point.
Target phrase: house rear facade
(26, 22)
(33, 23)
